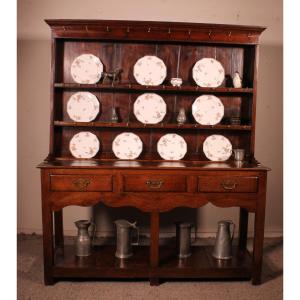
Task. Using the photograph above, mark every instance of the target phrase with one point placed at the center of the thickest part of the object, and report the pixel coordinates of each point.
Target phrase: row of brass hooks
(210, 33)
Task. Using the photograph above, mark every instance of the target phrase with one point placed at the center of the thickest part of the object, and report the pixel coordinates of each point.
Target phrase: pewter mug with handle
(83, 241)
(183, 239)
(223, 245)
(124, 238)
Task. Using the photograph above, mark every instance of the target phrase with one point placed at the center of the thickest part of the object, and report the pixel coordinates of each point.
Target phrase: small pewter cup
(239, 154)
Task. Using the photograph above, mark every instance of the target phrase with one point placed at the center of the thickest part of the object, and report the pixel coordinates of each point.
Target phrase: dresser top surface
(168, 165)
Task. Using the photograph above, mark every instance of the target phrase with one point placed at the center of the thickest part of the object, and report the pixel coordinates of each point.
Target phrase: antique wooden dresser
(149, 183)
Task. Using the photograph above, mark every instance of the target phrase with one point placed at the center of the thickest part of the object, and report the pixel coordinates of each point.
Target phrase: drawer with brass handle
(81, 183)
(234, 184)
(154, 183)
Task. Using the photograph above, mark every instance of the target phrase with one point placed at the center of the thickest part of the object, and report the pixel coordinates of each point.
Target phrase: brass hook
(209, 33)
(229, 34)
(149, 29)
(107, 28)
(128, 30)
(190, 31)
(169, 31)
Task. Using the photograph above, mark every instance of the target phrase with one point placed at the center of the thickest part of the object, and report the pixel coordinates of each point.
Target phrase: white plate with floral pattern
(217, 147)
(86, 69)
(84, 145)
(150, 108)
(208, 110)
(171, 146)
(208, 72)
(127, 145)
(83, 107)
(150, 70)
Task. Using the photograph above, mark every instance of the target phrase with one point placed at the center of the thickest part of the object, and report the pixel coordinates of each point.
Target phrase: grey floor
(31, 287)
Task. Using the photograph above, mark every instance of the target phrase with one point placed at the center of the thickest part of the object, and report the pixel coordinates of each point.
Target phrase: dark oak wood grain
(149, 183)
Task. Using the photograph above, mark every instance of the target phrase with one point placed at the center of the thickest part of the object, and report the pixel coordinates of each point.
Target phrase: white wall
(33, 100)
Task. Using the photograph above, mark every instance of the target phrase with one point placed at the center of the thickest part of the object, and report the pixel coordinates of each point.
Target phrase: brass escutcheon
(81, 183)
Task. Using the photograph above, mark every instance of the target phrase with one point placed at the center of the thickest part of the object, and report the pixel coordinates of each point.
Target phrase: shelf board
(128, 87)
(201, 264)
(154, 126)
(103, 264)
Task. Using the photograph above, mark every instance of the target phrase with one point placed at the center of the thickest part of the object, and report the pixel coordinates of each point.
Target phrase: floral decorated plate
(149, 108)
(217, 148)
(208, 72)
(150, 70)
(83, 107)
(84, 145)
(86, 68)
(127, 145)
(171, 146)
(208, 110)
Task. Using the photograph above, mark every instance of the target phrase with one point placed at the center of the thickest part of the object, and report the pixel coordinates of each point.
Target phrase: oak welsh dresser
(150, 183)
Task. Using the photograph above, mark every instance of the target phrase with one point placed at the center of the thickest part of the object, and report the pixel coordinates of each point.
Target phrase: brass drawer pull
(81, 183)
(228, 185)
(154, 184)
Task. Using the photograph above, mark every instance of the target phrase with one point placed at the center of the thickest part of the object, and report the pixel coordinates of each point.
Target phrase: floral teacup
(176, 81)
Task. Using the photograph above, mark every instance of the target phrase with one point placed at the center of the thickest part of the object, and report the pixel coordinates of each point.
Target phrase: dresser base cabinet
(64, 185)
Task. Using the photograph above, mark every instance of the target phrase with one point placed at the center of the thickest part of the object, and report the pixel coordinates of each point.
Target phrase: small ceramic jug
(114, 116)
(237, 80)
(181, 118)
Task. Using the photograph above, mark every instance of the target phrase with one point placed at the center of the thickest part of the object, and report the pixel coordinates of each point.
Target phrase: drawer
(81, 183)
(232, 184)
(155, 183)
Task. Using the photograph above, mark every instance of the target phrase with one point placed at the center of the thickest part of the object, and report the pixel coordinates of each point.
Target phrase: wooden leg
(48, 245)
(59, 234)
(154, 245)
(47, 217)
(259, 227)
(243, 229)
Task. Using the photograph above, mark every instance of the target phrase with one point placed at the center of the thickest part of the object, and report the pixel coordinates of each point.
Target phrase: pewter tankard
(83, 241)
(124, 238)
(183, 239)
(223, 245)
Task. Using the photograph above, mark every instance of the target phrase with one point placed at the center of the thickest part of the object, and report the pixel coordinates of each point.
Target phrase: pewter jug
(223, 245)
(83, 241)
(183, 239)
(124, 238)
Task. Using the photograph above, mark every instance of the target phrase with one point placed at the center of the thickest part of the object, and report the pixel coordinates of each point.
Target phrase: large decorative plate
(208, 110)
(86, 68)
(171, 146)
(84, 145)
(217, 148)
(208, 72)
(150, 108)
(150, 70)
(127, 145)
(83, 107)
